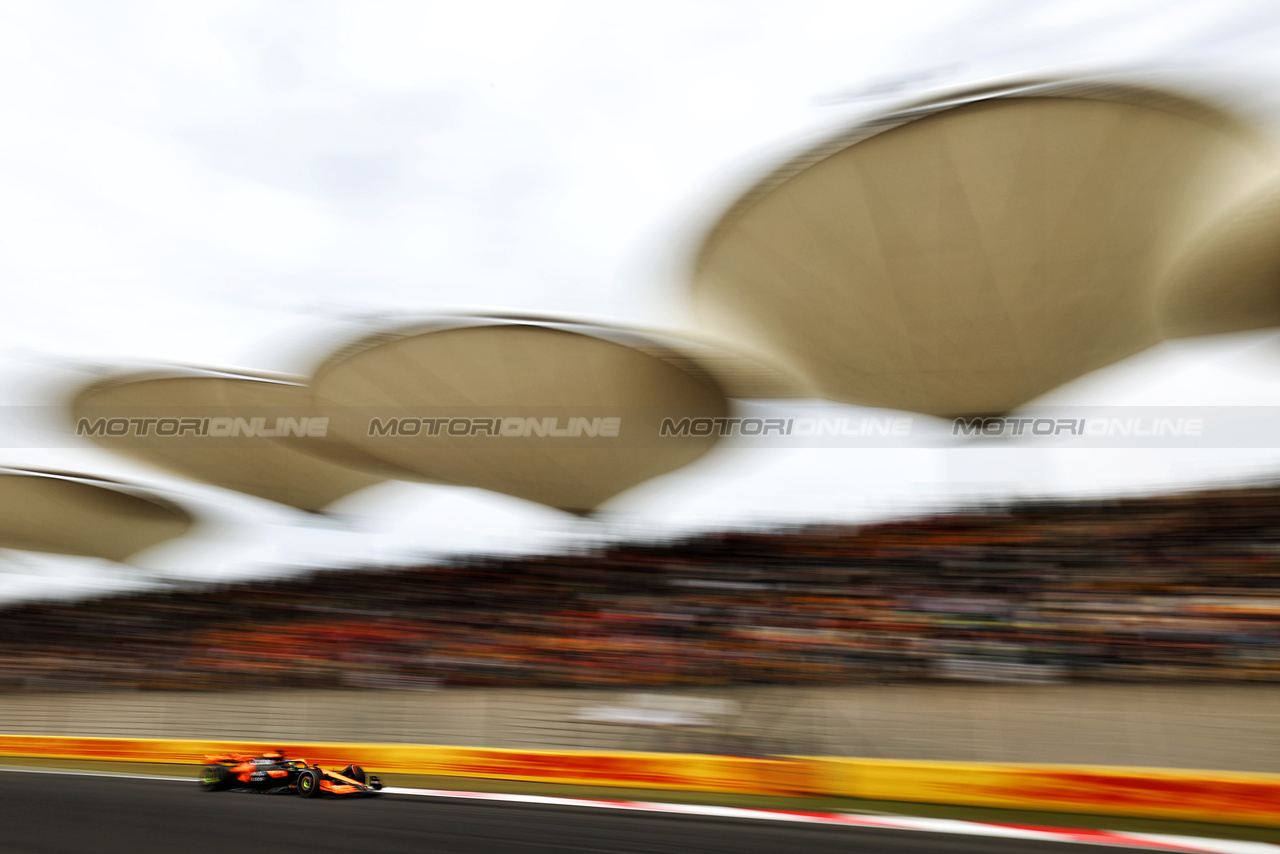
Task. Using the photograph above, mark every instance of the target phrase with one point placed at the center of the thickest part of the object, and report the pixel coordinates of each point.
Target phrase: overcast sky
(248, 185)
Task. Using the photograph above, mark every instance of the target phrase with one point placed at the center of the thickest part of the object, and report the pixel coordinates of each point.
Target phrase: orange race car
(271, 773)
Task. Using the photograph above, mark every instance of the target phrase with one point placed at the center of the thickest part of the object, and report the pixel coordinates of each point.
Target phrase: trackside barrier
(694, 772)
(1239, 798)
(1216, 796)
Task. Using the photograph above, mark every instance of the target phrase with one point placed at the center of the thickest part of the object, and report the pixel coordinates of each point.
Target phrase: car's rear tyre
(355, 772)
(215, 777)
(308, 783)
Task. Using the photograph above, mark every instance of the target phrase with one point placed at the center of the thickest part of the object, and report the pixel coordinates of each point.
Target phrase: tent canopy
(222, 426)
(967, 255)
(72, 514)
(566, 415)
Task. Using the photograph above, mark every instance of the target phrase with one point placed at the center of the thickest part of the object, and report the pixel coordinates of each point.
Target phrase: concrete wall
(1227, 727)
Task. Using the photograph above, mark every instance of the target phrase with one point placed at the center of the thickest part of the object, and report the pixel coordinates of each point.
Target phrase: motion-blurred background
(871, 248)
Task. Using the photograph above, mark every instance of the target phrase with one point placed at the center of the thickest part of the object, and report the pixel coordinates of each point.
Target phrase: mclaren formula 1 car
(272, 773)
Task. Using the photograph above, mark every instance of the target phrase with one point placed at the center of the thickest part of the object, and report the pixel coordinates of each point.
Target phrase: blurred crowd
(1176, 588)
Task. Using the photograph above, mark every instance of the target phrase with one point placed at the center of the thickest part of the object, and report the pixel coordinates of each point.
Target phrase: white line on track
(74, 773)
(1115, 838)
(1146, 841)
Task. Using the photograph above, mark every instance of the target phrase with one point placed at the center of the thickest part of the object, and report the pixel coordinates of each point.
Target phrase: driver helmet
(276, 755)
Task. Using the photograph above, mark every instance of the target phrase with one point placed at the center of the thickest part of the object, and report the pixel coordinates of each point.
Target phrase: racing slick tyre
(215, 777)
(309, 783)
(355, 772)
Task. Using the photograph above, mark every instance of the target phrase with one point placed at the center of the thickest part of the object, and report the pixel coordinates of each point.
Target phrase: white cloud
(208, 182)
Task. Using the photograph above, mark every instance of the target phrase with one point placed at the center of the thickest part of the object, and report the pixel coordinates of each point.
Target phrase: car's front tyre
(215, 777)
(308, 783)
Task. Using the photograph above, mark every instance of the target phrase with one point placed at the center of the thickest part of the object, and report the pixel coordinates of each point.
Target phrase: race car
(273, 773)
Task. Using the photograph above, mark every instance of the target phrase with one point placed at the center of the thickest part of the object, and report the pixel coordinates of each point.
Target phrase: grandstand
(1182, 588)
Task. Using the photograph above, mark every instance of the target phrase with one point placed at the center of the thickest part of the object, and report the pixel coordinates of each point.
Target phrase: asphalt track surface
(69, 814)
